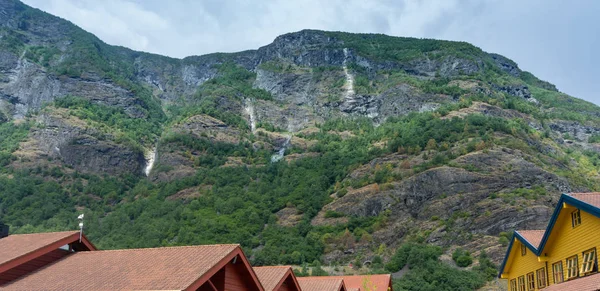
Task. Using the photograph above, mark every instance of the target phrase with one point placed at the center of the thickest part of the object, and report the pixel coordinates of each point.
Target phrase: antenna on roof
(80, 218)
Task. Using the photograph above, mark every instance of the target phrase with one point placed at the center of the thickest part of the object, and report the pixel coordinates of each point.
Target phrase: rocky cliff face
(309, 96)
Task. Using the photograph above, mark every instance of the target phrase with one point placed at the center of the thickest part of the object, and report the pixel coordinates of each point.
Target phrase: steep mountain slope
(319, 146)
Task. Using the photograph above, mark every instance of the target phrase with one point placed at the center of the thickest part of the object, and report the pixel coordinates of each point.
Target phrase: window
(530, 282)
(513, 285)
(522, 283)
(523, 250)
(572, 267)
(541, 277)
(557, 272)
(589, 261)
(576, 218)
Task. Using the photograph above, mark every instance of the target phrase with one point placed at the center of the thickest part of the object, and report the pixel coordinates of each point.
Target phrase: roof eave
(565, 198)
(516, 235)
(45, 249)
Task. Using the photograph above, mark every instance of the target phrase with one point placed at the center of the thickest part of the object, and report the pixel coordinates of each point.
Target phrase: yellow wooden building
(561, 257)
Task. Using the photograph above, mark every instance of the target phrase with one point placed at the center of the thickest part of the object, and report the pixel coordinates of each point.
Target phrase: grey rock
(506, 65)
(580, 132)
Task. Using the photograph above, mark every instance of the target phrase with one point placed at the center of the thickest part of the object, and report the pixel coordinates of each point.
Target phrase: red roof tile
(15, 246)
(372, 282)
(271, 277)
(320, 283)
(170, 268)
(534, 237)
(592, 198)
(589, 283)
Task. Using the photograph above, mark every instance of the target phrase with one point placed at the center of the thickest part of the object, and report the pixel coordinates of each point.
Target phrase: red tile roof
(534, 237)
(589, 283)
(272, 277)
(169, 268)
(372, 282)
(592, 198)
(14, 247)
(320, 283)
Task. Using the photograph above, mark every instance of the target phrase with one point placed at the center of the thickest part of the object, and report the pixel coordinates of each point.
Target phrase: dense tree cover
(427, 272)
(10, 136)
(235, 204)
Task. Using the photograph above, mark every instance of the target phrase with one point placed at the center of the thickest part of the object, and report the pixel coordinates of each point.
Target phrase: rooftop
(15, 246)
(589, 283)
(320, 283)
(592, 198)
(167, 268)
(534, 237)
(371, 282)
(271, 277)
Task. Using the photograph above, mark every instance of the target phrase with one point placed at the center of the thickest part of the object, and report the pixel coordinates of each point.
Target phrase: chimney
(3, 230)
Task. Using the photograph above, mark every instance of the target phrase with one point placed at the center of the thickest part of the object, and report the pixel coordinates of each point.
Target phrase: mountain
(322, 145)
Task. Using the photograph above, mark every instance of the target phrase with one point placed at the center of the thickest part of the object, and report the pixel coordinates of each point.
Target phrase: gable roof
(576, 200)
(533, 237)
(321, 284)
(168, 268)
(19, 248)
(380, 282)
(591, 198)
(588, 202)
(272, 277)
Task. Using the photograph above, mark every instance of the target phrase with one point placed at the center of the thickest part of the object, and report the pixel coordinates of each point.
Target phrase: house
(21, 254)
(367, 282)
(321, 284)
(561, 257)
(200, 268)
(277, 278)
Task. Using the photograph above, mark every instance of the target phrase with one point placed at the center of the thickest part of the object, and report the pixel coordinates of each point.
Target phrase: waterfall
(279, 155)
(349, 78)
(249, 108)
(150, 157)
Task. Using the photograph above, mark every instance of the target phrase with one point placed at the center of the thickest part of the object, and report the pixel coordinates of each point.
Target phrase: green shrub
(333, 214)
(462, 258)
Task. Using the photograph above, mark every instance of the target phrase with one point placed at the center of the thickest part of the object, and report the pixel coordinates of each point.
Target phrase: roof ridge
(530, 230)
(388, 275)
(278, 266)
(158, 248)
(51, 232)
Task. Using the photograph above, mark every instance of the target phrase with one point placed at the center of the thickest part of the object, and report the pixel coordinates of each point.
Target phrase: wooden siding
(566, 241)
(288, 285)
(237, 276)
(32, 265)
(522, 265)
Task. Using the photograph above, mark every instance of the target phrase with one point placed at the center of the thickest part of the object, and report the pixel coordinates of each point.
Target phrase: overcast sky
(554, 39)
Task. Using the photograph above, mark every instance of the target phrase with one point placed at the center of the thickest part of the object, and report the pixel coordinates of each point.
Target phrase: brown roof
(273, 276)
(589, 283)
(15, 247)
(372, 282)
(592, 198)
(320, 283)
(534, 237)
(170, 268)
